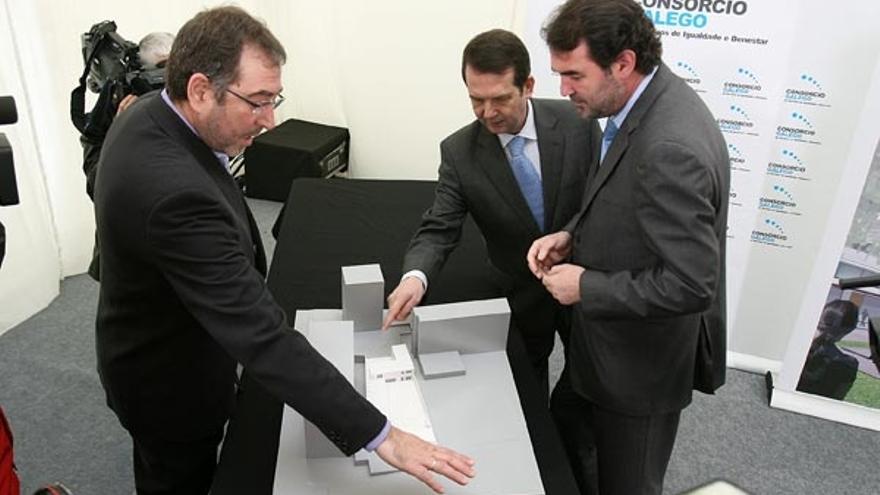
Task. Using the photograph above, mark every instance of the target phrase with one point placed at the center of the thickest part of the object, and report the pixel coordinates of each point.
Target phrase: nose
(266, 118)
(489, 110)
(565, 87)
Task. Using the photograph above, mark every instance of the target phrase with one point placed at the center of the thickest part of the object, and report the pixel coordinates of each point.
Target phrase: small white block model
(391, 387)
(362, 291)
(441, 365)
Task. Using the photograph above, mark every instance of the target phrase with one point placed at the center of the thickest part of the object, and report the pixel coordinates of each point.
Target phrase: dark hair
(495, 52)
(608, 27)
(211, 43)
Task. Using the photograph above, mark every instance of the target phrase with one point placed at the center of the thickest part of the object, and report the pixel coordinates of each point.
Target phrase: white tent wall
(389, 71)
(31, 269)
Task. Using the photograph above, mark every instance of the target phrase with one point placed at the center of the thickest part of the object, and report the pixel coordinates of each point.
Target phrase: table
(331, 223)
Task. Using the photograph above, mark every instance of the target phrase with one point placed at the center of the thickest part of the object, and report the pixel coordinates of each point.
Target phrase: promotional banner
(787, 86)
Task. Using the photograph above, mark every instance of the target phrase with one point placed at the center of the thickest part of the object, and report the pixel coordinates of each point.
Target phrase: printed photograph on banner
(843, 361)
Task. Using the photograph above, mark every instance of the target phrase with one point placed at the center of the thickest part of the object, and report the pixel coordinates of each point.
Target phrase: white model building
(392, 388)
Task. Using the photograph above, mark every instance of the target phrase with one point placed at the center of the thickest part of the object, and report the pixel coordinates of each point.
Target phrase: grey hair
(154, 48)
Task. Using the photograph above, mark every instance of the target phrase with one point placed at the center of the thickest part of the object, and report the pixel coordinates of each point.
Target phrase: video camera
(112, 69)
(114, 60)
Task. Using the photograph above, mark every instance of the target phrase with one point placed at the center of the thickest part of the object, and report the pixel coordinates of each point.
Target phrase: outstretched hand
(402, 300)
(421, 459)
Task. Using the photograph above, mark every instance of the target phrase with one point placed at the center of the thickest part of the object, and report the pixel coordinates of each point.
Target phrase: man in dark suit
(519, 170)
(183, 298)
(646, 275)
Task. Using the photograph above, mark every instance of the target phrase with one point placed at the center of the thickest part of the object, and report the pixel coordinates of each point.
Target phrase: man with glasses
(259, 107)
(183, 297)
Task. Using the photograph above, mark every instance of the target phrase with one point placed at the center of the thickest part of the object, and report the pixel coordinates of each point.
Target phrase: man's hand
(563, 282)
(548, 251)
(125, 103)
(403, 299)
(419, 458)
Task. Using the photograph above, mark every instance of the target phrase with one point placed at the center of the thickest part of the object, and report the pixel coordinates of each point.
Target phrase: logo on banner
(745, 84)
(737, 158)
(770, 232)
(788, 165)
(738, 121)
(690, 75)
(797, 127)
(780, 200)
(807, 91)
(690, 13)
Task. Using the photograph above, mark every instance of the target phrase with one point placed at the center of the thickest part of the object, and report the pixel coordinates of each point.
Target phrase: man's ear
(199, 92)
(624, 64)
(529, 86)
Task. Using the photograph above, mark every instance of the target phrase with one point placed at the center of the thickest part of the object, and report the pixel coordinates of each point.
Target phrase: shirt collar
(528, 130)
(223, 157)
(620, 116)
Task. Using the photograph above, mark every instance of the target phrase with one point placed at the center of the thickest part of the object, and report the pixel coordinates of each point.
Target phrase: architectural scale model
(444, 377)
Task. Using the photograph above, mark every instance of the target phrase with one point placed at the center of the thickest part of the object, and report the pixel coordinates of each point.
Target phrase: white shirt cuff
(419, 275)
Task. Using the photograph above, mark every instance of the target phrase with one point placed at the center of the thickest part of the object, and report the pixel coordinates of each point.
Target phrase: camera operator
(152, 53)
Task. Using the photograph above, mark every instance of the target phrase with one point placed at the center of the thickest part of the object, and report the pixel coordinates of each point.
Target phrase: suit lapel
(492, 159)
(600, 173)
(551, 148)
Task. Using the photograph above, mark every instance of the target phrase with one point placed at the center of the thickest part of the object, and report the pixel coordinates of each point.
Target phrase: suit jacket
(475, 177)
(183, 297)
(651, 234)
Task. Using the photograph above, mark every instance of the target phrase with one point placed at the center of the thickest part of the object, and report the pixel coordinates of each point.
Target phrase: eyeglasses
(257, 108)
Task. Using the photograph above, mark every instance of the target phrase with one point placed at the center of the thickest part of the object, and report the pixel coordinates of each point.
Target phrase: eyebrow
(504, 95)
(264, 92)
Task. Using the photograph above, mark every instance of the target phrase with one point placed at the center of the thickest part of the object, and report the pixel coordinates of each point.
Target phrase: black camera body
(113, 69)
(115, 61)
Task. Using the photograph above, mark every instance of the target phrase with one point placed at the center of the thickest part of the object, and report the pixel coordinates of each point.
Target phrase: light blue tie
(528, 179)
(607, 138)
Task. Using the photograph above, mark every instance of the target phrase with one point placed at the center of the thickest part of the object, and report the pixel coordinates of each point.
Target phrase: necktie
(528, 179)
(607, 138)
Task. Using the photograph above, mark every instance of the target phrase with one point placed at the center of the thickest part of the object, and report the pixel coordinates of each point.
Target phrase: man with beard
(646, 271)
